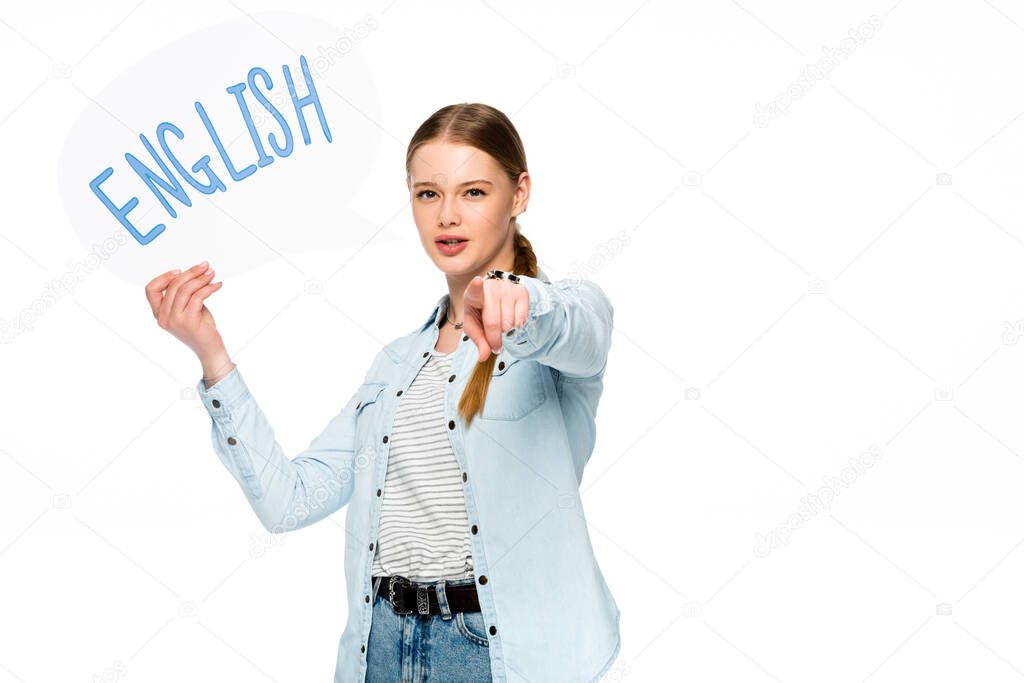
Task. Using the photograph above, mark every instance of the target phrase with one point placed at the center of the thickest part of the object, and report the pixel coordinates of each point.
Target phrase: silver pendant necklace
(458, 326)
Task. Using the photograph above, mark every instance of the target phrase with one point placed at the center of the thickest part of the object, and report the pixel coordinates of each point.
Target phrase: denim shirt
(550, 615)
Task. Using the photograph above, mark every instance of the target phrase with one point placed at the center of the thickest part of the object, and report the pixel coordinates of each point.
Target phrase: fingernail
(495, 351)
(175, 271)
(201, 263)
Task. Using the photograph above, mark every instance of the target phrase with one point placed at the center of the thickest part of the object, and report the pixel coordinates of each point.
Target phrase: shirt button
(426, 353)
(216, 403)
(463, 476)
(483, 579)
(362, 648)
(385, 438)
(493, 630)
(501, 365)
(451, 424)
(367, 598)
(452, 378)
(464, 337)
(473, 529)
(399, 393)
(232, 440)
(378, 493)
(371, 546)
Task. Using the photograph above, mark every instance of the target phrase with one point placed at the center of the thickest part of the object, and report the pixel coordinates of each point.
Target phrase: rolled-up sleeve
(285, 493)
(568, 327)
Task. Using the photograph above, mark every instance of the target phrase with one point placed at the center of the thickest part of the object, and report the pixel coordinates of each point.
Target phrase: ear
(521, 196)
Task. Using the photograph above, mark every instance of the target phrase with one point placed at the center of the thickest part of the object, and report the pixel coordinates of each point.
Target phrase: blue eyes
(472, 189)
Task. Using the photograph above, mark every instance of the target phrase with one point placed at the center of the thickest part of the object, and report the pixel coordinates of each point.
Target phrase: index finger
(156, 286)
(491, 313)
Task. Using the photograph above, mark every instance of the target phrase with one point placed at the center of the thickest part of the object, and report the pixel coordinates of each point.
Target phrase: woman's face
(460, 192)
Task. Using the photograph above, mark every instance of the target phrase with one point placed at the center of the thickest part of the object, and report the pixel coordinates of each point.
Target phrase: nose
(446, 213)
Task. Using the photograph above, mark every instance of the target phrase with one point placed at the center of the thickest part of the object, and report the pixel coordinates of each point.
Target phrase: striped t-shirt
(423, 525)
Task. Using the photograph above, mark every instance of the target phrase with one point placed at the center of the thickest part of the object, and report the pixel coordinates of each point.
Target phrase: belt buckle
(422, 600)
(391, 594)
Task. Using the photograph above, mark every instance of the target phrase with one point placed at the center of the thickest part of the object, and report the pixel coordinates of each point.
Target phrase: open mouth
(452, 246)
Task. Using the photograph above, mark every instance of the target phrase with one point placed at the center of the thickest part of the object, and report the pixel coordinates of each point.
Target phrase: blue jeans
(427, 647)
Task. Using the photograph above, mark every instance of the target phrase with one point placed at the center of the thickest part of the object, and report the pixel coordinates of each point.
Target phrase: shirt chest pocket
(516, 389)
(368, 413)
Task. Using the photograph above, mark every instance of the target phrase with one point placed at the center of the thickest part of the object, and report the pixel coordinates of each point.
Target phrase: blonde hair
(489, 130)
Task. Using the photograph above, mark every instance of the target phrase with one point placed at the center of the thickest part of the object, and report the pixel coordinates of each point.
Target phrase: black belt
(409, 598)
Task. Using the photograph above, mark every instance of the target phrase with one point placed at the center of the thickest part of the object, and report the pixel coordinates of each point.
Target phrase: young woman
(460, 454)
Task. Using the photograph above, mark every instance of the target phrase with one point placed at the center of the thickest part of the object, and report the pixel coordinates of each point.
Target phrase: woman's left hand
(491, 308)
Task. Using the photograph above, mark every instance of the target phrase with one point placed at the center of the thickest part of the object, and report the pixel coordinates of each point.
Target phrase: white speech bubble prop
(180, 94)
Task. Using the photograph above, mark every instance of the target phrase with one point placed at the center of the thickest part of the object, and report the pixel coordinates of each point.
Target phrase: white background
(786, 297)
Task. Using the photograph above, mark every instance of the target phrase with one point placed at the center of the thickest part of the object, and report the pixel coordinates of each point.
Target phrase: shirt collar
(441, 307)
